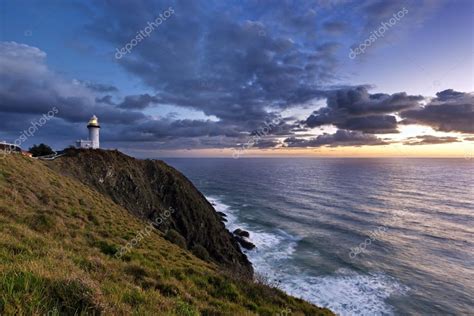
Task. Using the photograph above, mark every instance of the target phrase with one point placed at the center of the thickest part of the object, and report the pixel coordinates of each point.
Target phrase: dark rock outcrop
(222, 216)
(244, 243)
(148, 188)
(241, 233)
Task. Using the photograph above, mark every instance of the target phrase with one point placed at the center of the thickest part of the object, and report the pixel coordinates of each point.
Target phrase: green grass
(29, 294)
(58, 240)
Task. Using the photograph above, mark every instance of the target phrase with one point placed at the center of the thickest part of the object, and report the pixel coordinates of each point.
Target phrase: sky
(241, 78)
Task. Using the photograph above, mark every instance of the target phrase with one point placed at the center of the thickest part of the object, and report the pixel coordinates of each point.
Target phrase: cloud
(138, 102)
(107, 99)
(334, 27)
(190, 62)
(29, 87)
(99, 87)
(340, 138)
(450, 111)
(166, 129)
(430, 140)
(260, 143)
(355, 109)
(449, 94)
(375, 124)
(267, 144)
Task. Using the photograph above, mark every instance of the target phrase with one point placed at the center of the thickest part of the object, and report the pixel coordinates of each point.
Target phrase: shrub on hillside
(136, 271)
(106, 248)
(42, 222)
(201, 252)
(176, 238)
(41, 150)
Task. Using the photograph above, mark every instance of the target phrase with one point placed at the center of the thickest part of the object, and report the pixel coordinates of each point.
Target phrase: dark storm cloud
(107, 99)
(450, 111)
(186, 143)
(430, 140)
(357, 101)
(334, 27)
(225, 65)
(99, 87)
(340, 138)
(356, 109)
(276, 127)
(375, 124)
(266, 144)
(449, 94)
(162, 129)
(240, 66)
(138, 102)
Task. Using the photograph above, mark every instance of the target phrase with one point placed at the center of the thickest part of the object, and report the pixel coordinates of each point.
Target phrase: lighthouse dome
(93, 122)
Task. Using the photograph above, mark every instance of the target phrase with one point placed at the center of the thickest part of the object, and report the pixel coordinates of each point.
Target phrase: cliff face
(149, 188)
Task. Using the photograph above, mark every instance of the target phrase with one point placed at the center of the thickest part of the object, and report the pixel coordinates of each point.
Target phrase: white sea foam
(231, 218)
(278, 245)
(344, 292)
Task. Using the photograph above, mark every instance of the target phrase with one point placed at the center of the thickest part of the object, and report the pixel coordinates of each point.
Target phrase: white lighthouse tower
(94, 128)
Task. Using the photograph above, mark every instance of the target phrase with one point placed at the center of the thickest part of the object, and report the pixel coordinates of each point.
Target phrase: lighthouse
(94, 128)
(93, 141)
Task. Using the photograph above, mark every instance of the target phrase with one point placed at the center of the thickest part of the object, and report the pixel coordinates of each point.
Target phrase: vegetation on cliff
(58, 244)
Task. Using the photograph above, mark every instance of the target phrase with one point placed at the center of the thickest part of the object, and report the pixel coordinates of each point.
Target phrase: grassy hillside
(58, 240)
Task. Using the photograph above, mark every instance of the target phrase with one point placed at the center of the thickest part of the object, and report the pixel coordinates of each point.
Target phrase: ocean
(359, 236)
